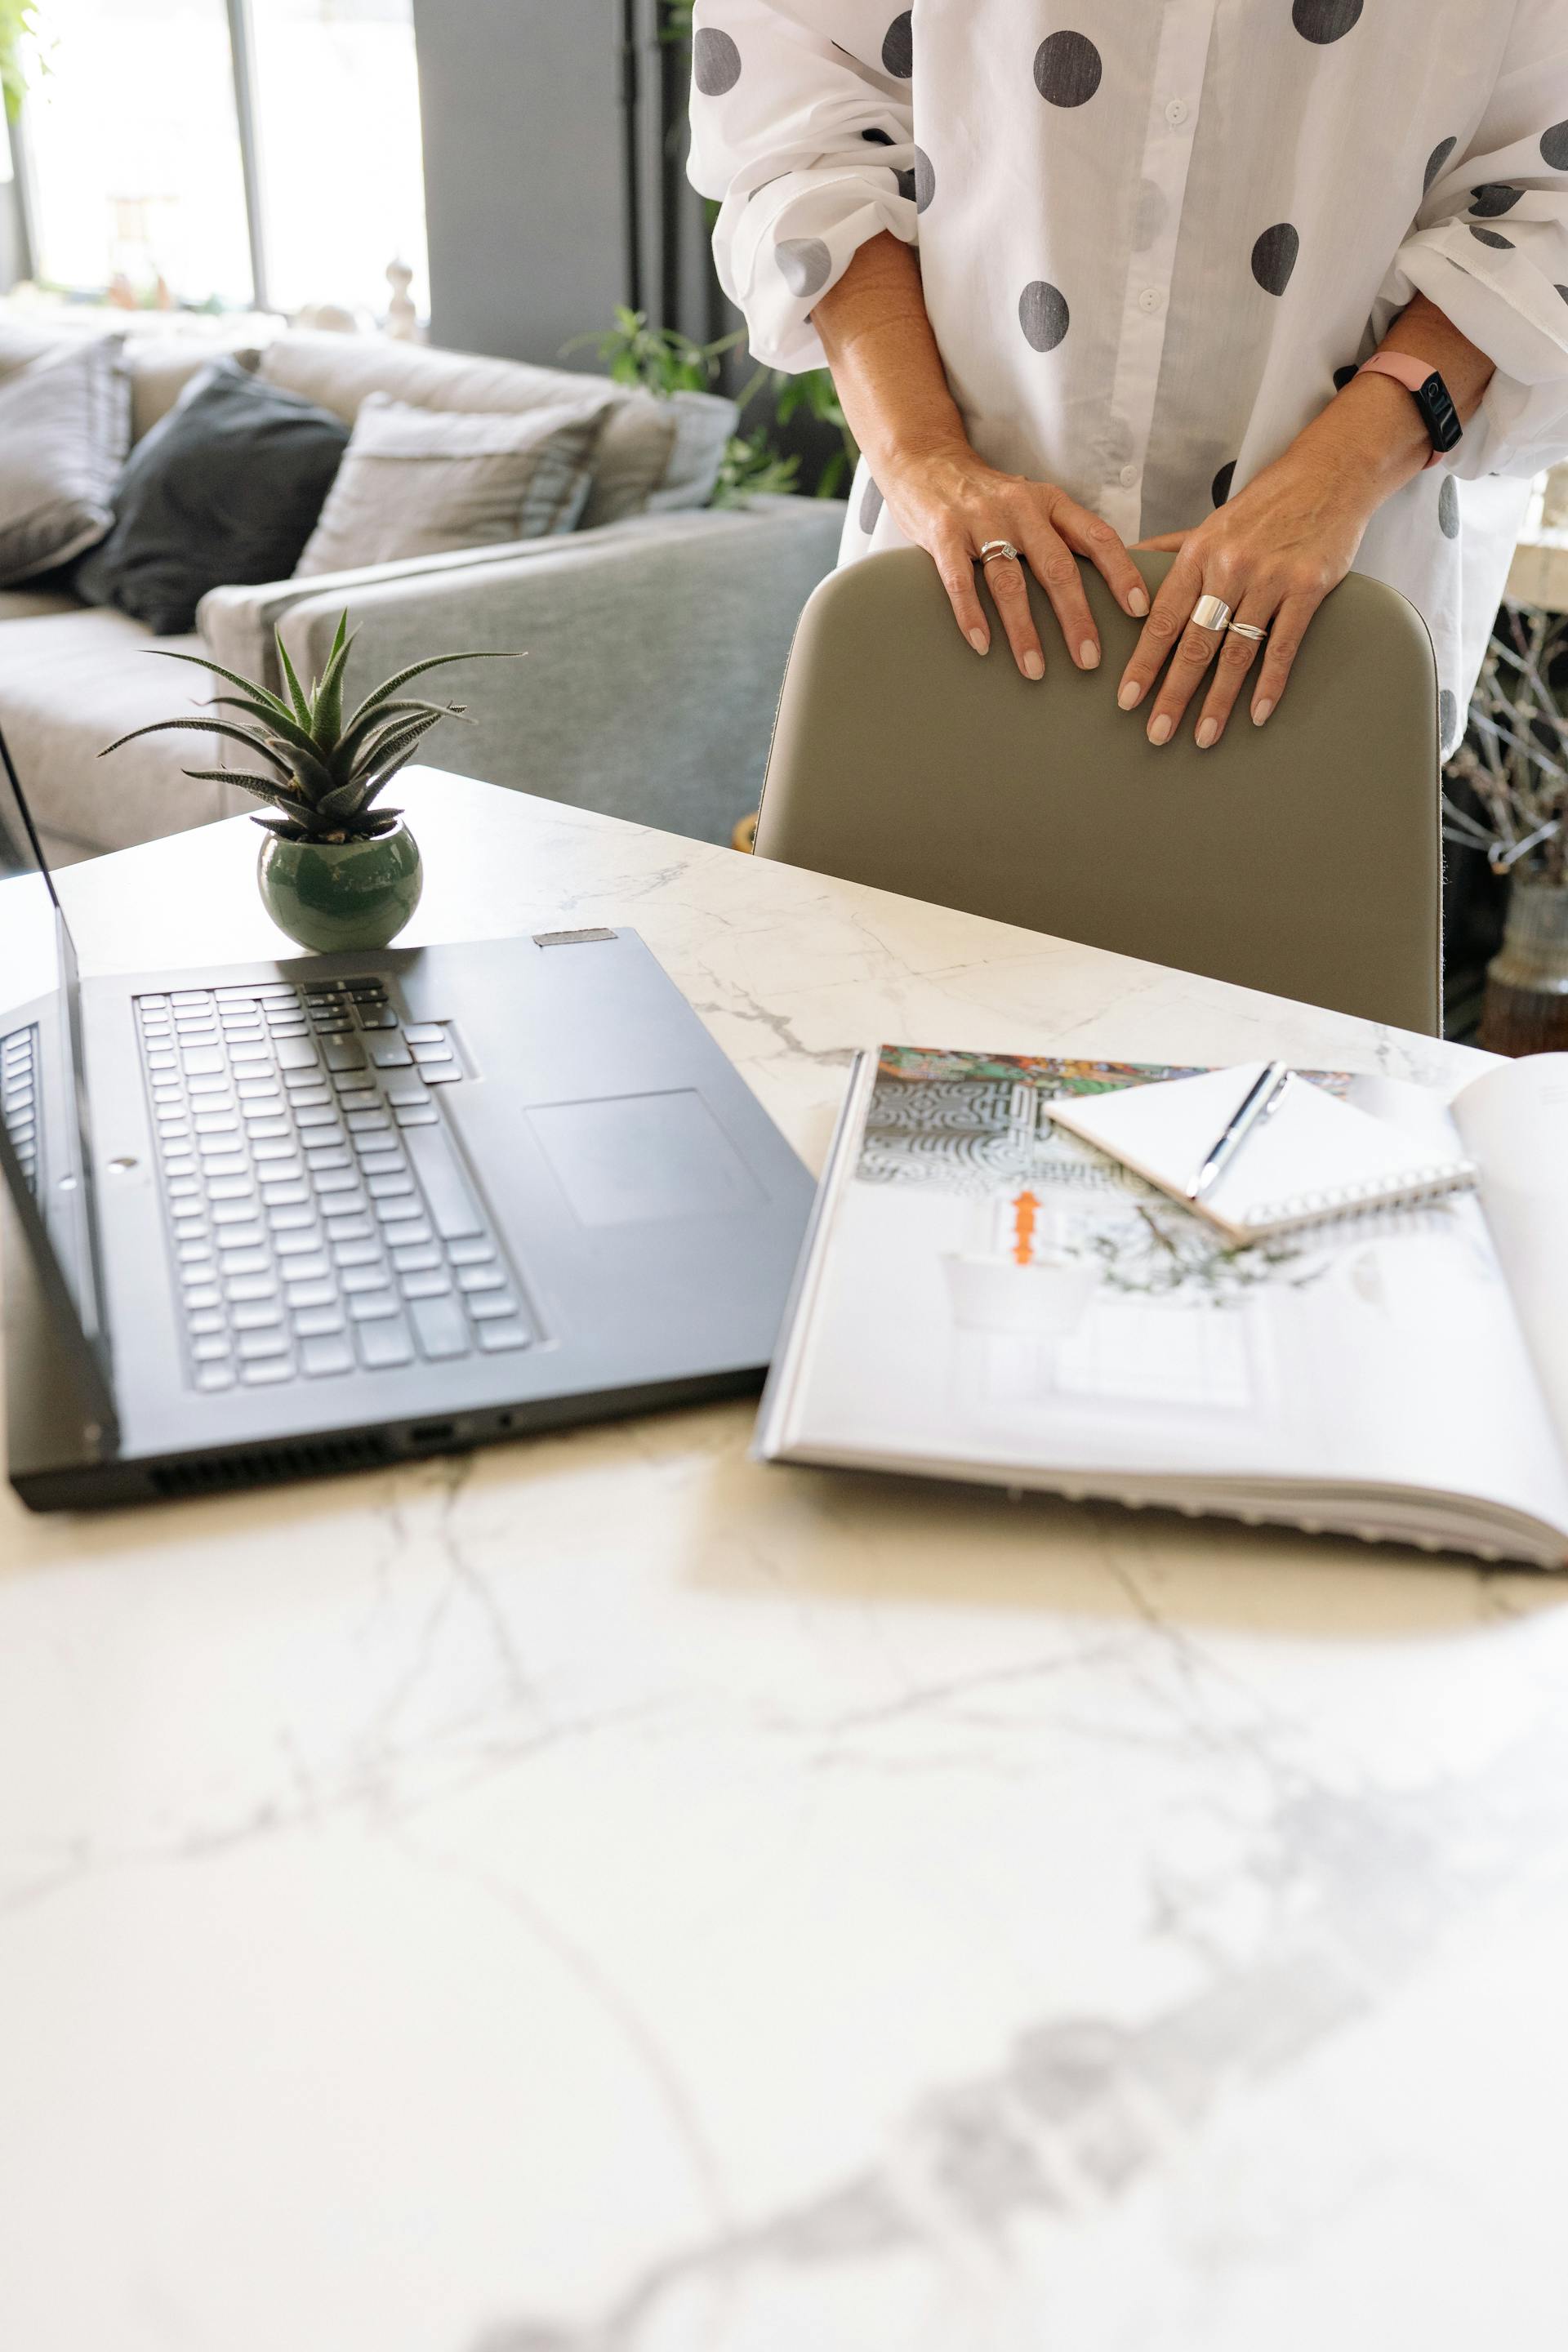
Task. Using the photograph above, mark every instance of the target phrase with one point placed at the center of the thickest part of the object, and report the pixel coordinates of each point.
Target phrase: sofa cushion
(161, 366)
(653, 455)
(71, 683)
(64, 427)
(227, 487)
(423, 481)
(26, 603)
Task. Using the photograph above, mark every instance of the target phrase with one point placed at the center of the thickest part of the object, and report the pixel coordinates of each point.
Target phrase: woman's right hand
(949, 502)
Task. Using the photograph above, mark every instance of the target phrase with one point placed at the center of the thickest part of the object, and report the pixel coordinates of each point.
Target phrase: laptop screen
(42, 1143)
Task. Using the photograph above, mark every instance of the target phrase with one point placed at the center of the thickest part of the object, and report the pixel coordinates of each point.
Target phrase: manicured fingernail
(1208, 734)
(1130, 696)
(979, 640)
(1137, 602)
(1160, 729)
(1260, 711)
(1032, 665)
(1089, 654)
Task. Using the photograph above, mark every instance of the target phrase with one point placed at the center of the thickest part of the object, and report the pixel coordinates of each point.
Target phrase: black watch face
(1442, 417)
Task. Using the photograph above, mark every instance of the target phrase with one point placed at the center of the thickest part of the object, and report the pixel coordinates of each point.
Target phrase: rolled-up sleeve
(1489, 248)
(802, 129)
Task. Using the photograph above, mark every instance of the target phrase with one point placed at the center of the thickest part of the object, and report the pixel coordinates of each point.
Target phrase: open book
(985, 1296)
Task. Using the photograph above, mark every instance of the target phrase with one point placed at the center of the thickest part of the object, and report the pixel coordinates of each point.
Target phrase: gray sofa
(656, 634)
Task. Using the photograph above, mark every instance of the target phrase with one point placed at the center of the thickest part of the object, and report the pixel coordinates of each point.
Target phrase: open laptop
(285, 1218)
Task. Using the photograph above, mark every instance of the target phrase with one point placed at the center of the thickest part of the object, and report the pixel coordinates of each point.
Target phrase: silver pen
(1259, 1100)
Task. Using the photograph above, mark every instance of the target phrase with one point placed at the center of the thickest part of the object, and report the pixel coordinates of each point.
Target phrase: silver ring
(1246, 629)
(1211, 613)
(998, 551)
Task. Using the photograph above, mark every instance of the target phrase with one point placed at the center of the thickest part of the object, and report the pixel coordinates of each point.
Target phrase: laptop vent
(221, 1473)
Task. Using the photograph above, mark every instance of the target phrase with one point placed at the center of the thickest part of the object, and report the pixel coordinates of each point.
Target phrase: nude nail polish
(1089, 654)
(1260, 711)
(1160, 729)
(1032, 665)
(979, 640)
(1137, 604)
(1208, 734)
(1130, 696)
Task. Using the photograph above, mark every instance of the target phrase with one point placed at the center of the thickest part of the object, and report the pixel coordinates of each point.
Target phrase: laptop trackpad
(629, 1159)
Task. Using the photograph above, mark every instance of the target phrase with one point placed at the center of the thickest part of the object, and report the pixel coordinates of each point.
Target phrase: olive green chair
(1303, 857)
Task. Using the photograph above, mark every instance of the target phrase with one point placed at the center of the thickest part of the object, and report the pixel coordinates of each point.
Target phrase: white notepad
(1312, 1159)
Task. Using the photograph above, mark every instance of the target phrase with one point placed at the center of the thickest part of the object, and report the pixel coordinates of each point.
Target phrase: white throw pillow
(424, 482)
(64, 427)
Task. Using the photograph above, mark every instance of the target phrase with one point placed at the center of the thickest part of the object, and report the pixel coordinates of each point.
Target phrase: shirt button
(1151, 299)
(1128, 476)
(1177, 112)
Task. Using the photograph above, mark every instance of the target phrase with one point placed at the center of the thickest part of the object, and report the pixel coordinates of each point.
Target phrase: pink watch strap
(1411, 372)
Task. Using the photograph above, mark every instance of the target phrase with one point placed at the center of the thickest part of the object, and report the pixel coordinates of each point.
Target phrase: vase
(330, 895)
(1526, 1009)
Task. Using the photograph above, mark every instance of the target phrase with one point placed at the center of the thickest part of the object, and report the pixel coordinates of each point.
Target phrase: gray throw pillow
(64, 427)
(423, 481)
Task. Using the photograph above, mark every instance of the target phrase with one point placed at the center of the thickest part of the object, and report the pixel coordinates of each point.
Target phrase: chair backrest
(1303, 857)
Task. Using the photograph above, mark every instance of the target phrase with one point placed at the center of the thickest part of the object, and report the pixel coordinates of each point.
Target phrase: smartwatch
(1432, 397)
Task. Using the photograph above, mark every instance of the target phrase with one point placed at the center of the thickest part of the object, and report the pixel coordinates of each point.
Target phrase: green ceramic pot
(340, 894)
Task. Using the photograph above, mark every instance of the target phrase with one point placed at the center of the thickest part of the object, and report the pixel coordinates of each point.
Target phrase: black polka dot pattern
(1436, 163)
(1554, 147)
(1345, 376)
(1493, 198)
(1489, 237)
(1448, 720)
(807, 265)
(870, 507)
(1043, 314)
(1323, 21)
(906, 181)
(898, 48)
(1274, 257)
(715, 63)
(1067, 69)
(1563, 291)
(925, 181)
(1449, 508)
(879, 138)
(1222, 482)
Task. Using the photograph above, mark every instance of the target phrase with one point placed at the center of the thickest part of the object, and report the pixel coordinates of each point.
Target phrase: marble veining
(605, 1896)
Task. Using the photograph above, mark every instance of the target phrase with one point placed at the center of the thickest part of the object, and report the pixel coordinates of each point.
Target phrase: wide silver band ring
(1246, 629)
(1212, 613)
(998, 551)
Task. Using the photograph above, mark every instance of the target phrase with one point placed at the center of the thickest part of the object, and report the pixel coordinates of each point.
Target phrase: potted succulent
(336, 870)
(1513, 769)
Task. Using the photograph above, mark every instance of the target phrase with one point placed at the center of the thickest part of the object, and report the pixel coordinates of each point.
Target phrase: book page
(991, 1291)
(1514, 1125)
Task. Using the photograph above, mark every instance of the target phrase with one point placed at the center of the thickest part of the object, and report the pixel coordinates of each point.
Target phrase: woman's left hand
(1272, 553)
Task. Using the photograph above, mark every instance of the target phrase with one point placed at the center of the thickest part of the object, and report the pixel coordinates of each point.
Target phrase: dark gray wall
(523, 171)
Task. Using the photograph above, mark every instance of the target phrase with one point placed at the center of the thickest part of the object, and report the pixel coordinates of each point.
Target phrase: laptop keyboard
(19, 1099)
(320, 1219)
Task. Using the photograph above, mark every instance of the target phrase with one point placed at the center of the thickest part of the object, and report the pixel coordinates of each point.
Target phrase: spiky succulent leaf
(327, 704)
(384, 692)
(296, 693)
(355, 740)
(287, 737)
(281, 829)
(392, 753)
(274, 706)
(252, 741)
(261, 787)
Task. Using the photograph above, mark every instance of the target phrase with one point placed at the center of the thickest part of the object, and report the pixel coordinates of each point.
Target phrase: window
(139, 137)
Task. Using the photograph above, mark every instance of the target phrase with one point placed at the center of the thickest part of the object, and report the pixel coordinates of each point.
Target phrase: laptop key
(385, 1345)
(472, 1279)
(293, 1194)
(242, 1262)
(440, 1326)
(295, 1054)
(387, 1160)
(418, 1115)
(203, 1296)
(407, 1094)
(212, 1377)
(269, 1369)
(479, 1252)
(371, 1304)
(354, 1228)
(390, 1054)
(441, 1179)
(446, 1075)
(262, 1315)
(311, 1294)
(421, 1258)
(337, 1179)
(436, 1284)
(495, 1337)
(211, 1351)
(390, 1188)
(356, 1254)
(343, 1054)
(298, 1220)
(424, 1032)
(243, 1287)
(313, 1267)
(493, 1307)
(303, 1242)
(328, 1354)
(204, 1326)
(317, 1322)
(357, 1280)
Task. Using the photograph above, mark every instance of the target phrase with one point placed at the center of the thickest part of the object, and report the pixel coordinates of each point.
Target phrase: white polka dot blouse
(1156, 239)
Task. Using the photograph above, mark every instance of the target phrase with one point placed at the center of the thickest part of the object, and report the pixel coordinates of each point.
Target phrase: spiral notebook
(1313, 1158)
(985, 1295)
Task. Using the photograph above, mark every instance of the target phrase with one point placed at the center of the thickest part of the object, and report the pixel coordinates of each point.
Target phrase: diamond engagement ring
(1212, 613)
(1246, 629)
(998, 551)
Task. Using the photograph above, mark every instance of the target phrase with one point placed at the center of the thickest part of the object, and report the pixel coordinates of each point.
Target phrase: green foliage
(817, 395)
(752, 467)
(655, 359)
(326, 772)
(17, 24)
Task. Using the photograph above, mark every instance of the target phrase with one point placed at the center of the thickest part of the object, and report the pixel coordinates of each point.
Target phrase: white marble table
(606, 1896)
